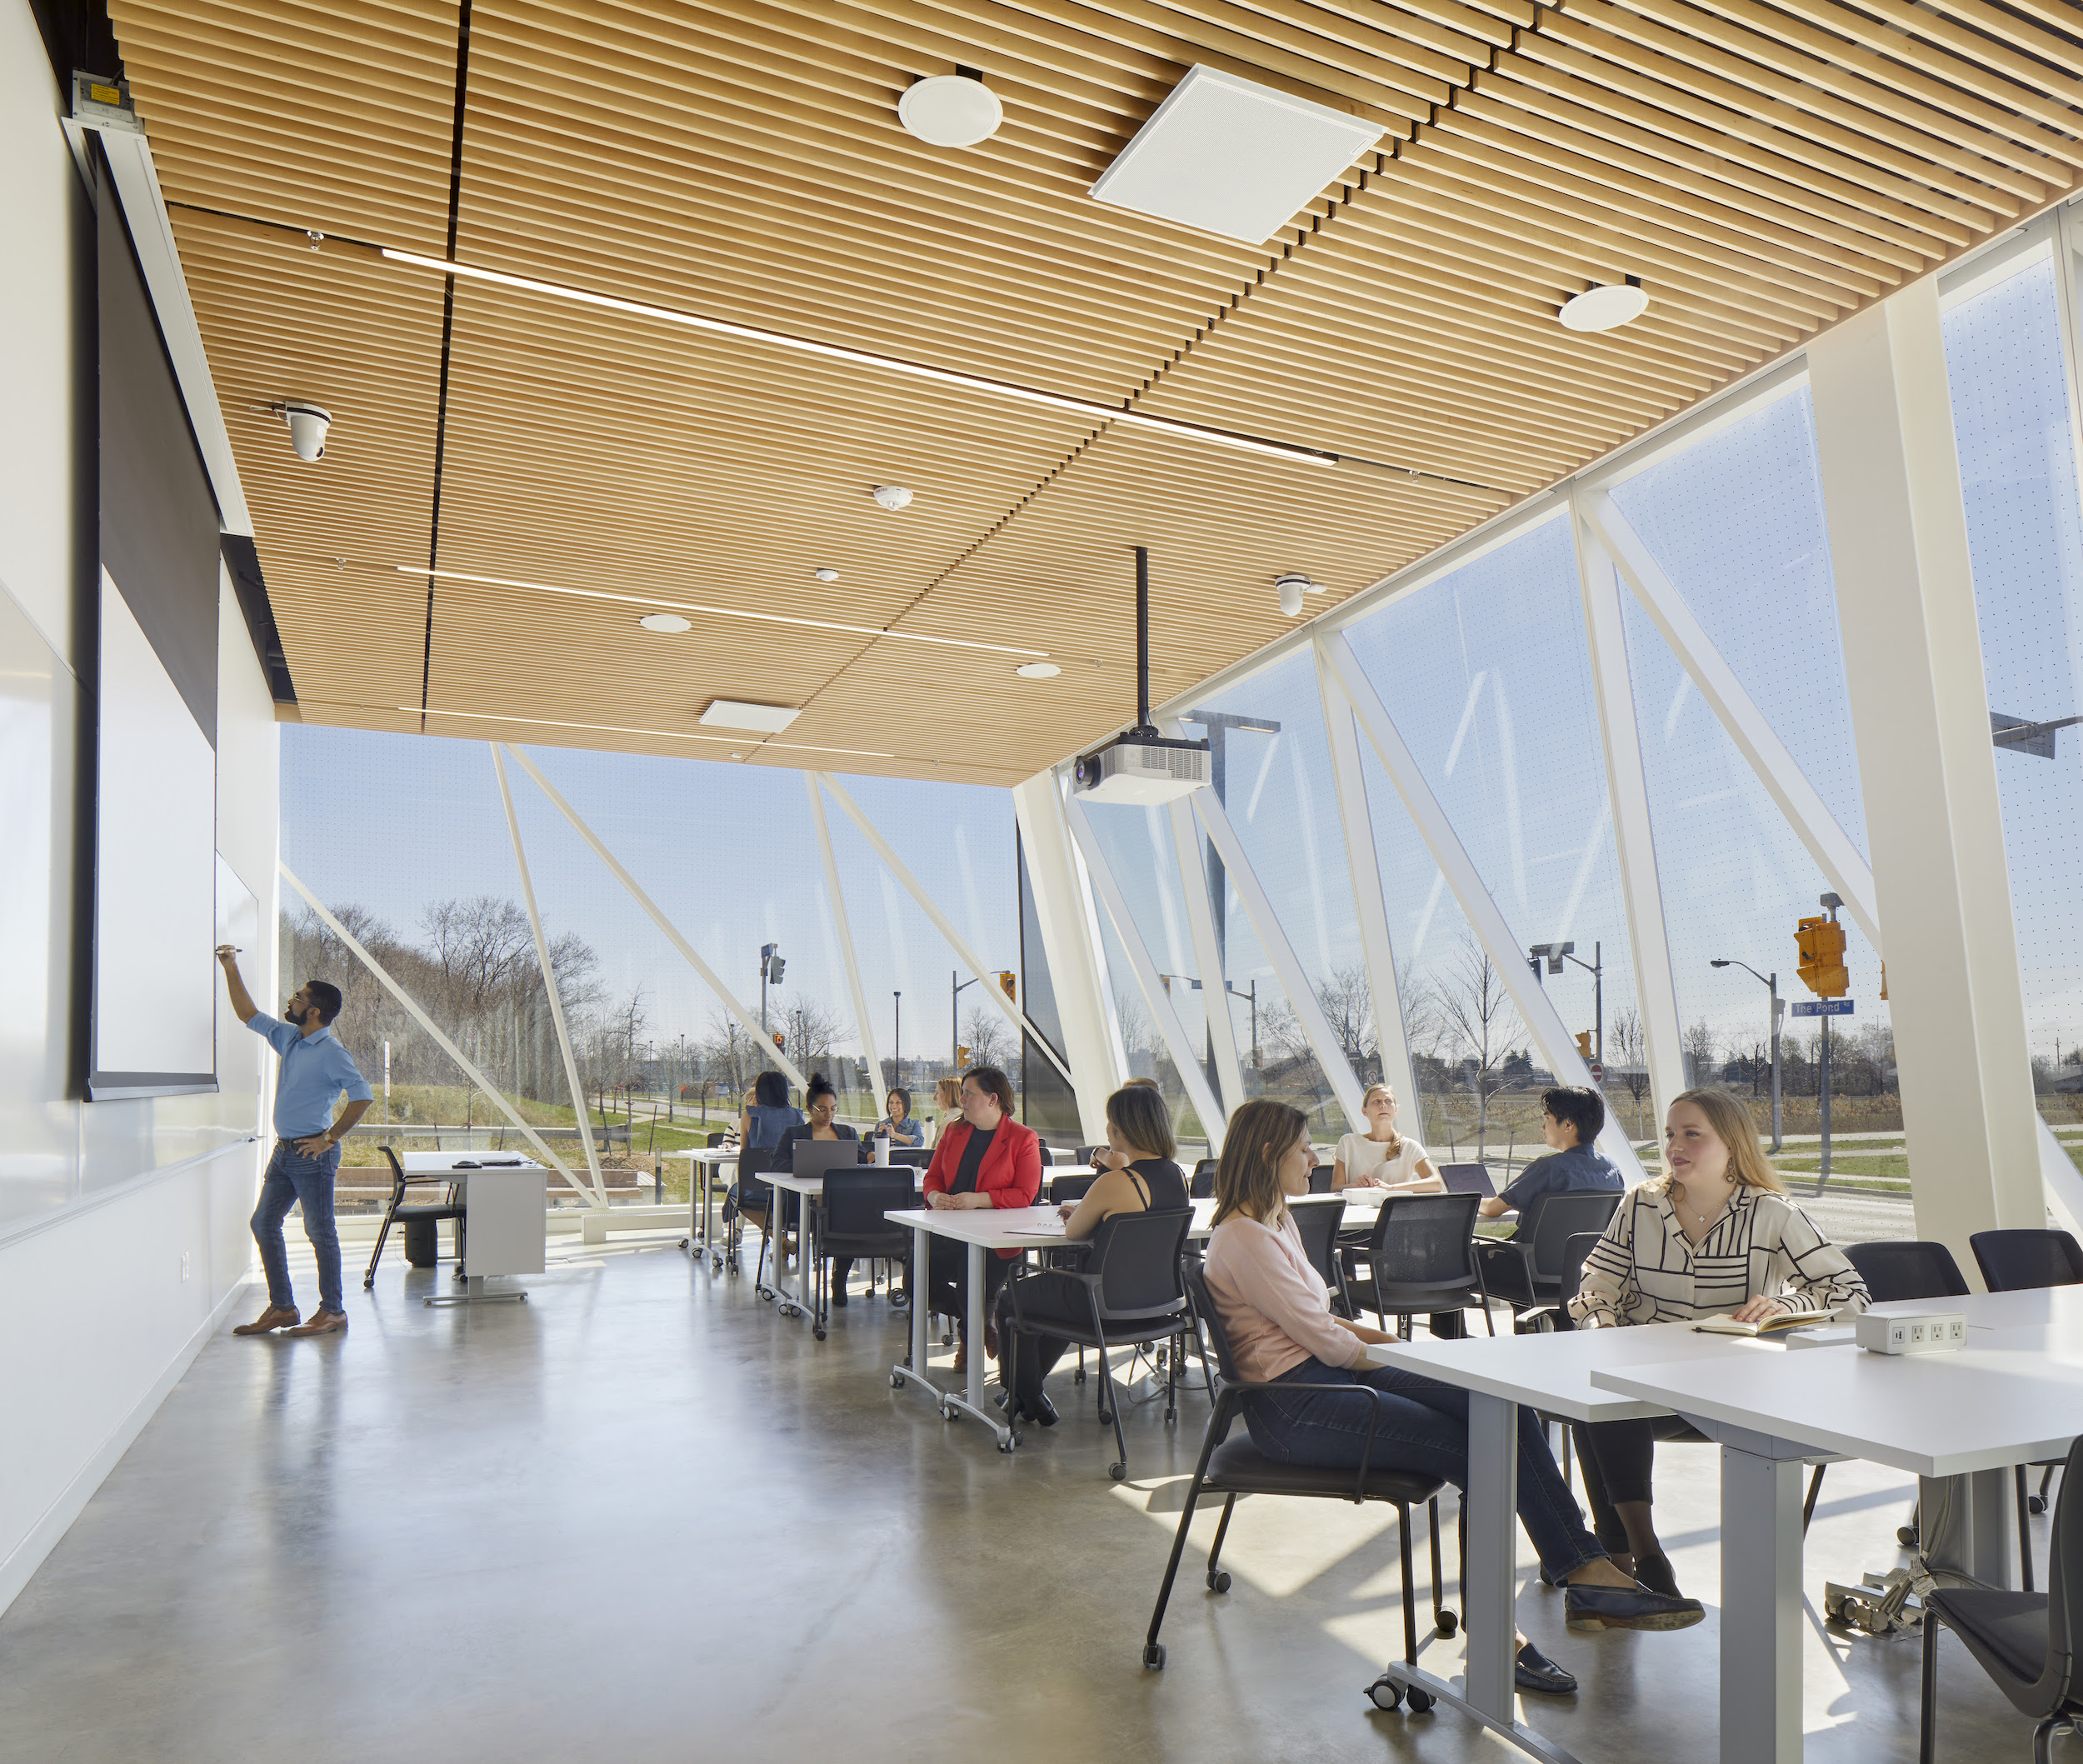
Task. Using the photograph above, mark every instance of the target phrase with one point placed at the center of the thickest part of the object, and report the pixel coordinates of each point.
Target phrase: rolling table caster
(1446, 1623)
(1386, 1693)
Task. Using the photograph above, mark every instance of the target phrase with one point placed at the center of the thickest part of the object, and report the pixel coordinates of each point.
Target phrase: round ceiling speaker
(950, 110)
(1605, 308)
(670, 622)
(1037, 670)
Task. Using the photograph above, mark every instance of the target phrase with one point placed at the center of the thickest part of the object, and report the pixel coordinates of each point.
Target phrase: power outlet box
(1926, 1332)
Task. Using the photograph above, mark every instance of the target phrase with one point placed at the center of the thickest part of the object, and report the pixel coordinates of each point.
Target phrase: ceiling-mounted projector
(1140, 765)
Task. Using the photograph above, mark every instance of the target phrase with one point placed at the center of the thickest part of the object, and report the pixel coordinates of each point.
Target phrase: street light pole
(896, 1040)
(954, 1015)
(1778, 1006)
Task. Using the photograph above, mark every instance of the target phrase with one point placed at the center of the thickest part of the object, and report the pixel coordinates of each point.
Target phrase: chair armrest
(1374, 1420)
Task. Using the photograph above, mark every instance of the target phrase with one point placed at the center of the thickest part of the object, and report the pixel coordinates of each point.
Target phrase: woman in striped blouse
(1715, 1235)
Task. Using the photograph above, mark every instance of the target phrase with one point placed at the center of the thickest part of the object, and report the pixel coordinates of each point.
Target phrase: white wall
(99, 1204)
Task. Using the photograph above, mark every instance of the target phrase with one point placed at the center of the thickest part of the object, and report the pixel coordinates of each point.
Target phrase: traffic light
(961, 1055)
(776, 969)
(1584, 1045)
(779, 1041)
(1005, 985)
(1822, 956)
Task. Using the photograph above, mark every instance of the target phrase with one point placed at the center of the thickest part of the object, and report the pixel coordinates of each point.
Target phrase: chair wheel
(684, 1242)
(818, 1331)
(1386, 1693)
(2034, 1504)
(896, 1383)
(1154, 1656)
(1446, 1622)
(1421, 1701)
(1079, 1378)
(1906, 1535)
(1219, 1581)
(1105, 1418)
(1119, 1472)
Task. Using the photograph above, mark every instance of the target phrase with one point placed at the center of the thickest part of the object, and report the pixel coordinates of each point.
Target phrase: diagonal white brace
(844, 927)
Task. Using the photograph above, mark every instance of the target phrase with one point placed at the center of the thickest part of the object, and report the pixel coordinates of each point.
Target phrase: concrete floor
(640, 1516)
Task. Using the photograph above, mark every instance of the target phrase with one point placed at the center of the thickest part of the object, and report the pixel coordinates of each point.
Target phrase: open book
(1775, 1325)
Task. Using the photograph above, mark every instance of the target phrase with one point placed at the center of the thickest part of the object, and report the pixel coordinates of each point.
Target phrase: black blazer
(785, 1152)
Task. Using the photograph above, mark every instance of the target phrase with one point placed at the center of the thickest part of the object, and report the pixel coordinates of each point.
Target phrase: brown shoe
(990, 1339)
(322, 1323)
(275, 1316)
(961, 1357)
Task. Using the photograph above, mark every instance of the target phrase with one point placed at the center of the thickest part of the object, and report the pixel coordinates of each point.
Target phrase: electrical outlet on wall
(184, 1264)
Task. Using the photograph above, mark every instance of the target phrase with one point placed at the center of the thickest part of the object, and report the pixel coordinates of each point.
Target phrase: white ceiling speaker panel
(731, 714)
(950, 110)
(1228, 156)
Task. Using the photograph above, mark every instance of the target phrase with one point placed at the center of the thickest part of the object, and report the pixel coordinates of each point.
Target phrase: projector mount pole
(1143, 640)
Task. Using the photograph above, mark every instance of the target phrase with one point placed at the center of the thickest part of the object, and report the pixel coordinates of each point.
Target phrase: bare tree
(987, 1036)
(808, 1028)
(1480, 1025)
(1348, 1003)
(1699, 1043)
(1629, 1041)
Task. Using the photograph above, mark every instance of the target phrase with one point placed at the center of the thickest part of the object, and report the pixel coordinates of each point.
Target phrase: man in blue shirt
(1571, 1119)
(315, 1069)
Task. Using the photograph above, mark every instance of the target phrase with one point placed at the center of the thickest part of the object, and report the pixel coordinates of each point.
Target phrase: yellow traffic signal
(779, 1041)
(1584, 1045)
(1822, 957)
(1006, 984)
(961, 1055)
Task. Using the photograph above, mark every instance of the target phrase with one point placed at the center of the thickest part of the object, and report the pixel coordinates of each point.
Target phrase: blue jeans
(292, 1178)
(1424, 1428)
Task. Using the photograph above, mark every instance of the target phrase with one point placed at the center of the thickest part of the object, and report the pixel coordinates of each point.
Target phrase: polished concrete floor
(641, 1516)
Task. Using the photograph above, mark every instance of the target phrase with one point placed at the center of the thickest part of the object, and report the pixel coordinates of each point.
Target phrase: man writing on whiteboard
(315, 1069)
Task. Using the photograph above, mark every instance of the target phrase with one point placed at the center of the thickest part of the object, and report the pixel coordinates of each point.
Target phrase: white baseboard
(27, 1556)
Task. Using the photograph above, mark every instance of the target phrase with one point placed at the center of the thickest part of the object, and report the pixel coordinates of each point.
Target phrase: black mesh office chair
(850, 1222)
(1133, 1284)
(1202, 1185)
(1230, 1467)
(1526, 1269)
(2017, 1261)
(1062, 1188)
(421, 1216)
(1422, 1257)
(1319, 1224)
(760, 1198)
(2028, 1642)
(1320, 1179)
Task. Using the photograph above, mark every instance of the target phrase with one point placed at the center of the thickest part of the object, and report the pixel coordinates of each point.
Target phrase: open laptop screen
(1467, 1179)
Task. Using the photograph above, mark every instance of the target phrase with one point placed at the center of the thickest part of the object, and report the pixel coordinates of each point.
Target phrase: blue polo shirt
(1559, 1173)
(315, 1069)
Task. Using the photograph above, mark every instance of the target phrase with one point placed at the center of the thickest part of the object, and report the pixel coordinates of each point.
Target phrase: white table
(981, 1229)
(801, 1302)
(504, 1208)
(1958, 1421)
(703, 1166)
(1556, 1373)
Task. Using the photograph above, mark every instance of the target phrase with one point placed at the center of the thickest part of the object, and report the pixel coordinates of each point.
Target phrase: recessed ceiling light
(826, 575)
(670, 621)
(950, 110)
(1231, 156)
(731, 714)
(1037, 670)
(892, 496)
(1605, 307)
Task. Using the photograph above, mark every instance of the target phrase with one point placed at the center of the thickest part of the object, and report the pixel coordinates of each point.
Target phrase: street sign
(1822, 1007)
(1598, 1074)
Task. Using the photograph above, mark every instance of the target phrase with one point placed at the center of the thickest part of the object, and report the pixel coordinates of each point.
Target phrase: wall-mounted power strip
(1928, 1332)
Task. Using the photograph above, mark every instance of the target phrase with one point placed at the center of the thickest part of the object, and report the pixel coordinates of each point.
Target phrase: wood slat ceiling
(1765, 170)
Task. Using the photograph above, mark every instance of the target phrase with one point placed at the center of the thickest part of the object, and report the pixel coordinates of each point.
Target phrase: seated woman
(898, 1126)
(1136, 1175)
(1714, 1235)
(984, 1159)
(761, 1125)
(1275, 1311)
(823, 1101)
(947, 1098)
(1382, 1157)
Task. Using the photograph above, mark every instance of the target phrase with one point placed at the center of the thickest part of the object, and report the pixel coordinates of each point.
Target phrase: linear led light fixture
(609, 728)
(692, 606)
(864, 358)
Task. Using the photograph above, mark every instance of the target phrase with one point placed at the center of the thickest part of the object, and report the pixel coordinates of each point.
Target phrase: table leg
(912, 1369)
(975, 1392)
(1965, 1525)
(1493, 1538)
(1761, 1627)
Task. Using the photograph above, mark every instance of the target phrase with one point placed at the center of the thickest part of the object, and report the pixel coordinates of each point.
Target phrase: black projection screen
(153, 1020)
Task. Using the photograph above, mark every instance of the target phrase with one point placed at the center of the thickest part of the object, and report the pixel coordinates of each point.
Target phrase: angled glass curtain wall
(2015, 429)
(1485, 674)
(1736, 521)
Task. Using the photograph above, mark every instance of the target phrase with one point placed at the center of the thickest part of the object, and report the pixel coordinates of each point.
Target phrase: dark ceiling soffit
(243, 563)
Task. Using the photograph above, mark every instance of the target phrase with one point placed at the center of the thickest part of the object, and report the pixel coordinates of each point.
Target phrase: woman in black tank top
(1136, 1175)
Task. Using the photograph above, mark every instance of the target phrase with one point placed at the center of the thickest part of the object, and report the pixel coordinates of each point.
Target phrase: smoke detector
(826, 573)
(892, 496)
(954, 109)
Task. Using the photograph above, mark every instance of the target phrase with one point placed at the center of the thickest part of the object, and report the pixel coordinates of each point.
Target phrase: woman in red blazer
(986, 1159)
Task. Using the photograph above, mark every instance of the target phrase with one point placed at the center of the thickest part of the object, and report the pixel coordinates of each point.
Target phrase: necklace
(1700, 1219)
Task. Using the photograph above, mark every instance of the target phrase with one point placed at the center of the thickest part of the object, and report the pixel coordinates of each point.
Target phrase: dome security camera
(1291, 587)
(307, 426)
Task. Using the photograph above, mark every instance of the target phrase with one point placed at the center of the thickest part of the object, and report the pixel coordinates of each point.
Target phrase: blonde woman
(947, 1098)
(1382, 1157)
(1299, 1359)
(1715, 1235)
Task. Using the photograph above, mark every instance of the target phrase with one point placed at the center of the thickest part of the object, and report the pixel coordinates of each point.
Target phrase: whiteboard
(238, 1050)
(155, 874)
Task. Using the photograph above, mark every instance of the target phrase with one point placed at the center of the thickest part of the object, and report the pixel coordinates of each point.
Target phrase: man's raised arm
(242, 1000)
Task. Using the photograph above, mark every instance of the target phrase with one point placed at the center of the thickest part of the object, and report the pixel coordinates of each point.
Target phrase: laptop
(820, 1156)
(1467, 1179)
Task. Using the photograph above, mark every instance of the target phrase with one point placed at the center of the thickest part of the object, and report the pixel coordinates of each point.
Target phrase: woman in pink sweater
(1295, 1351)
